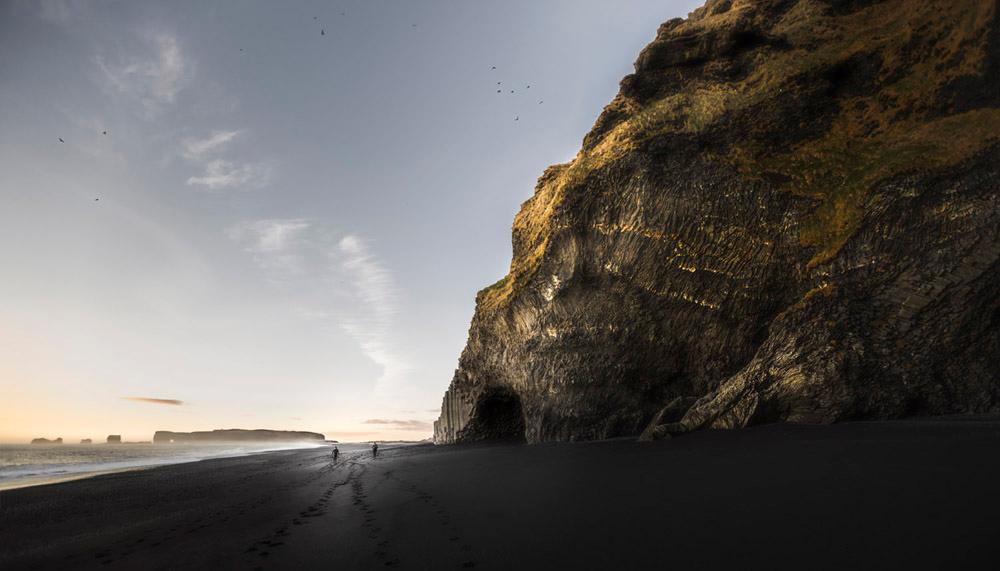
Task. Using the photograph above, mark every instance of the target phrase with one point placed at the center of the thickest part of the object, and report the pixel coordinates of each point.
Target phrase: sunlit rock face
(788, 213)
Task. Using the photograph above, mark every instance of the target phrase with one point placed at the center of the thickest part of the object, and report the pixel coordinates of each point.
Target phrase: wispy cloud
(150, 400)
(272, 235)
(357, 292)
(155, 78)
(200, 149)
(275, 243)
(220, 174)
(414, 425)
(373, 285)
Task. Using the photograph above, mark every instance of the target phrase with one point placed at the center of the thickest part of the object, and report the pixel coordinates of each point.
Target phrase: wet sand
(899, 495)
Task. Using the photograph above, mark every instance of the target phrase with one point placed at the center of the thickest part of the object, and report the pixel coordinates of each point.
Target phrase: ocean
(33, 464)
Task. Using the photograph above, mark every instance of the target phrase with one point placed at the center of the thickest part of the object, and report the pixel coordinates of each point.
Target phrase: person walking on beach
(336, 453)
(374, 449)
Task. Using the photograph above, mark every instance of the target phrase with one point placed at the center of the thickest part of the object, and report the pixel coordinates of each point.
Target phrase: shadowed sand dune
(914, 494)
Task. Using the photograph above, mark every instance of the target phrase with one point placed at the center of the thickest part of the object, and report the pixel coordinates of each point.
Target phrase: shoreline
(46, 479)
(56, 479)
(913, 494)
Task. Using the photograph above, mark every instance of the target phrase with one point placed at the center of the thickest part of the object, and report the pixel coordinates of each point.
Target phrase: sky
(273, 215)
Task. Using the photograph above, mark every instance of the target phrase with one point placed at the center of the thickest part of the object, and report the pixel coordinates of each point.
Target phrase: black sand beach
(899, 495)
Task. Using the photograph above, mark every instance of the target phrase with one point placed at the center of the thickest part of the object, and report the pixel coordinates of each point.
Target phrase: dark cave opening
(498, 416)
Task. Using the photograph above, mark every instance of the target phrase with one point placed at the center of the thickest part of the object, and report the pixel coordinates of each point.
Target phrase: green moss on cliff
(892, 126)
(840, 171)
(923, 47)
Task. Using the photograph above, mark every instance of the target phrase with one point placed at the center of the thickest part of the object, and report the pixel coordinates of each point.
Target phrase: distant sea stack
(237, 435)
(46, 441)
(790, 212)
(86, 441)
(114, 439)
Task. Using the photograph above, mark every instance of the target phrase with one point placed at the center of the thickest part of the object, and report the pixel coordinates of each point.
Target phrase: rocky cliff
(237, 435)
(788, 213)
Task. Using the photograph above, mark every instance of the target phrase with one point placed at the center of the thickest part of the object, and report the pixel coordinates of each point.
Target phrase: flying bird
(104, 132)
(315, 17)
(61, 141)
(494, 67)
(517, 118)
(540, 102)
(322, 32)
(498, 90)
(96, 199)
(528, 87)
(512, 91)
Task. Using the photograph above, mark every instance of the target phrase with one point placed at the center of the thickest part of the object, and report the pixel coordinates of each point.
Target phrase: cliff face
(789, 212)
(236, 435)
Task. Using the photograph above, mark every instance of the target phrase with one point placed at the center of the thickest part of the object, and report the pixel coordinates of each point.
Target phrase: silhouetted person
(336, 453)
(374, 449)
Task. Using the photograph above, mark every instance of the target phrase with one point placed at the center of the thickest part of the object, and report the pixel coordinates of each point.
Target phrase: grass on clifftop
(922, 46)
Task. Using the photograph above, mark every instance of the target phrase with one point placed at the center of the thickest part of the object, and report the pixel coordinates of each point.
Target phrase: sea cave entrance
(498, 415)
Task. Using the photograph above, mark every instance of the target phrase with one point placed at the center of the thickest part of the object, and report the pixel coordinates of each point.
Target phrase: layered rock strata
(788, 213)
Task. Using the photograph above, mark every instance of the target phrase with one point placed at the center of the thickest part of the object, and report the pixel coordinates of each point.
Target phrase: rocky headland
(237, 435)
(788, 213)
